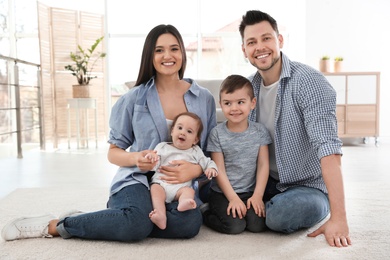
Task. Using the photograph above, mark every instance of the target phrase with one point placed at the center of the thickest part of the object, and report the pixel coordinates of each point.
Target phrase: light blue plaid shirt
(305, 124)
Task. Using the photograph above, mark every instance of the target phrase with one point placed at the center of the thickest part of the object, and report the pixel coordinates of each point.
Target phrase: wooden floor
(72, 168)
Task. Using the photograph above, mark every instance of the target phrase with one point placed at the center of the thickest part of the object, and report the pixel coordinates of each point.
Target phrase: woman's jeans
(127, 219)
(296, 208)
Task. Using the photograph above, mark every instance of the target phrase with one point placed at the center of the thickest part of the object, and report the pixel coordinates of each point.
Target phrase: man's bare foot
(159, 219)
(186, 204)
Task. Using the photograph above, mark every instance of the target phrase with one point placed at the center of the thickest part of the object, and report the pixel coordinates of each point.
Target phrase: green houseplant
(325, 63)
(84, 62)
(338, 62)
(325, 57)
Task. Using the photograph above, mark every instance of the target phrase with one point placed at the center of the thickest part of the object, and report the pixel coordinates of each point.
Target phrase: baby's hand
(210, 173)
(153, 157)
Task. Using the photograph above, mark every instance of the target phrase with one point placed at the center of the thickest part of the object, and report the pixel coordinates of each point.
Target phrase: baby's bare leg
(185, 196)
(158, 215)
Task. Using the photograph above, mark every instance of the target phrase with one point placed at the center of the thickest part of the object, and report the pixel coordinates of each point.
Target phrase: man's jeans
(127, 219)
(296, 208)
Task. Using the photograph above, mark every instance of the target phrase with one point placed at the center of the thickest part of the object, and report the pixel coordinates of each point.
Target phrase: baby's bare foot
(186, 204)
(159, 219)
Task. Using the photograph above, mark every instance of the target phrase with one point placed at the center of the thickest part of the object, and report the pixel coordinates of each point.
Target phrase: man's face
(261, 45)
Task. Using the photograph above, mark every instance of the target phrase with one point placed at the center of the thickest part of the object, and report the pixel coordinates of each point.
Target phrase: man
(298, 106)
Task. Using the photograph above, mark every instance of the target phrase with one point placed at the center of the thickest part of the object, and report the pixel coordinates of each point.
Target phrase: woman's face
(167, 58)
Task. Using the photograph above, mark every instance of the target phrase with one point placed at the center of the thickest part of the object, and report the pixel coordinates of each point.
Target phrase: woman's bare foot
(186, 204)
(53, 227)
(159, 219)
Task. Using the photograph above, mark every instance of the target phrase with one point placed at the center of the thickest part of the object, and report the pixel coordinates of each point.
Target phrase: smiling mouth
(168, 63)
(262, 56)
(235, 114)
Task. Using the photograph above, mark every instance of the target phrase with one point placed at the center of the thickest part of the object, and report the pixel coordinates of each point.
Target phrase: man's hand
(336, 233)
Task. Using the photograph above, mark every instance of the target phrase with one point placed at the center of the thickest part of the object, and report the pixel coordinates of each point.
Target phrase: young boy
(186, 131)
(239, 147)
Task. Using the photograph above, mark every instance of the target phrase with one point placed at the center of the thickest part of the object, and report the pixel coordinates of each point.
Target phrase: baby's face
(185, 132)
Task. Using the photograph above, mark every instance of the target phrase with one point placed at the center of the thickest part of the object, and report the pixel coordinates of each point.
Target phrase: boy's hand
(237, 208)
(258, 206)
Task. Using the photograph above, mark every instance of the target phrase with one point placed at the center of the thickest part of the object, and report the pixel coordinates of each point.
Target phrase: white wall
(92, 6)
(355, 30)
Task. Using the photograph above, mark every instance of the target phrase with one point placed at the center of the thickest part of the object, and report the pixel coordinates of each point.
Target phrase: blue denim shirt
(305, 124)
(138, 122)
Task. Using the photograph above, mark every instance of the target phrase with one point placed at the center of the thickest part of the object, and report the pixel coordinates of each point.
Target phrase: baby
(186, 131)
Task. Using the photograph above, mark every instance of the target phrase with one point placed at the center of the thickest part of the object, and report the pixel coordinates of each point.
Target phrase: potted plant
(338, 62)
(84, 62)
(325, 63)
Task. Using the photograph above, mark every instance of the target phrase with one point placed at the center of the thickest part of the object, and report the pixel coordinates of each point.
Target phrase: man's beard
(274, 61)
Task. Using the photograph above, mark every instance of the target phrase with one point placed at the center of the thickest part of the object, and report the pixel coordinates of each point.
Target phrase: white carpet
(368, 206)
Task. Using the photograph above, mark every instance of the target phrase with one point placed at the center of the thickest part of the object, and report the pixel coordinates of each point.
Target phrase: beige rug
(368, 206)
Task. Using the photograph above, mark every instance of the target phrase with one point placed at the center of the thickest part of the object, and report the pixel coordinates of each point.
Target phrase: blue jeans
(296, 208)
(127, 219)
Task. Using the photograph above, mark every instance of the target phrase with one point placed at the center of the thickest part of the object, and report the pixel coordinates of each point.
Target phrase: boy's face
(236, 106)
(185, 132)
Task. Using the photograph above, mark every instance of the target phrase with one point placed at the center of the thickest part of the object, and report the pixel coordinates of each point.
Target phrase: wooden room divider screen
(60, 32)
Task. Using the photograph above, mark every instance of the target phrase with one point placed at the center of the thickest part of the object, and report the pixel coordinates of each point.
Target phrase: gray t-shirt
(240, 152)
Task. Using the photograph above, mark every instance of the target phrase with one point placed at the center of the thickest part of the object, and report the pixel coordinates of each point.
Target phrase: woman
(140, 120)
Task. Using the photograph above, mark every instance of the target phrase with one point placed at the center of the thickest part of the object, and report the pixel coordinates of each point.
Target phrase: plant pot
(338, 66)
(325, 65)
(80, 91)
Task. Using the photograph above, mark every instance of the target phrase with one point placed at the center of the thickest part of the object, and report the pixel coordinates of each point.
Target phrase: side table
(81, 105)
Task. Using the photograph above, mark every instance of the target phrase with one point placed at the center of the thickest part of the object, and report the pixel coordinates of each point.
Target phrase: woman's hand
(145, 160)
(180, 171)
(122, 158)
(153, 156)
